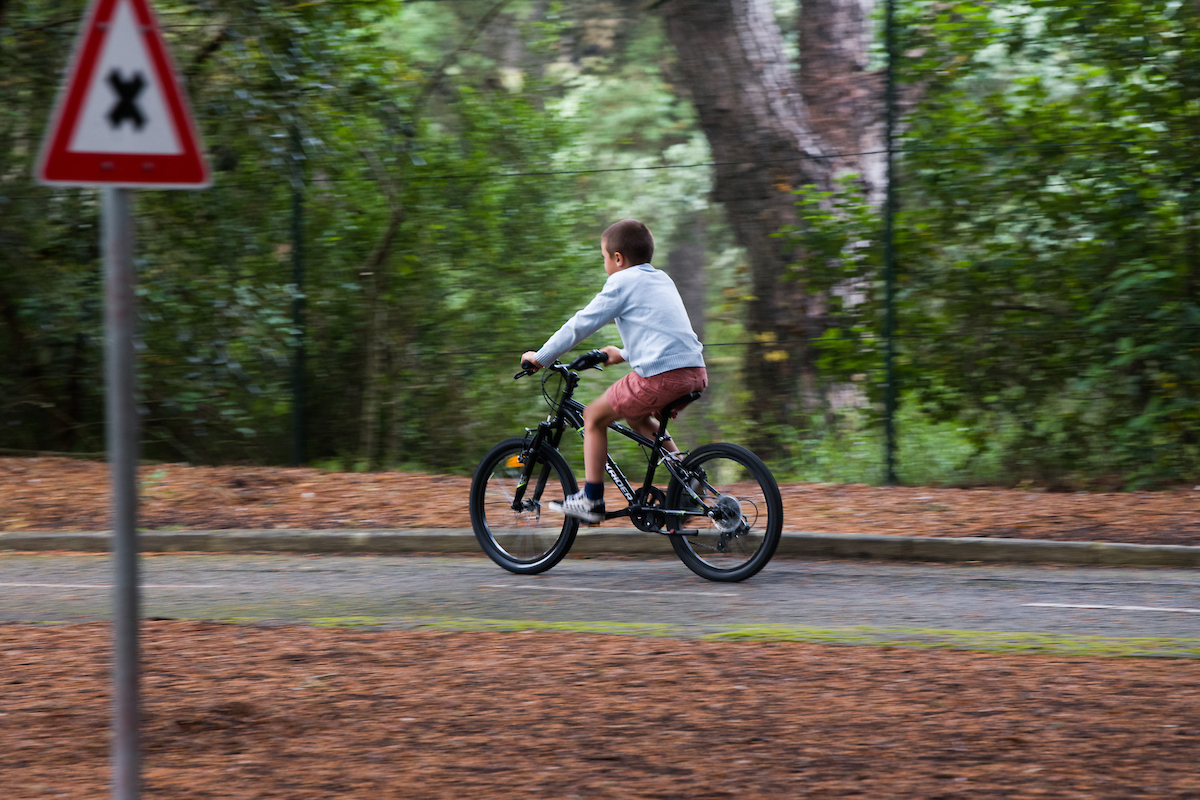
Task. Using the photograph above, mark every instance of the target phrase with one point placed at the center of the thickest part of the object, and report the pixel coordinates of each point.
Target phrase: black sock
(593, 491)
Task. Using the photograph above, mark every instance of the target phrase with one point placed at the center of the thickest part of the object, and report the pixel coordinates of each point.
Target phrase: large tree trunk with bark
(844, 98)
(768, 141)
(685, 265)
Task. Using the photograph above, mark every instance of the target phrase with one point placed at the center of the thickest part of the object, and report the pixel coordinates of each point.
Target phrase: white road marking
(109, 585)
(1116, 608)
(616, 591)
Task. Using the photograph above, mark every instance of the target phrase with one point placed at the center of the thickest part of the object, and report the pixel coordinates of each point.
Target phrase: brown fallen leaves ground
(42, 494)
(255, 712)
(251, 712)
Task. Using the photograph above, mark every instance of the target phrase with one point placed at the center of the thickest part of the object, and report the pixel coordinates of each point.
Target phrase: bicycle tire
(525, 542)
(731, 471)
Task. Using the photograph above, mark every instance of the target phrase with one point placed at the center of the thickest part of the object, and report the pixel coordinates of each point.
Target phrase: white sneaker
(578, 505)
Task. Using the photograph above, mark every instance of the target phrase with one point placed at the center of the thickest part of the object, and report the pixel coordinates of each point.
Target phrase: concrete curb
(928, 548)
(624, 543)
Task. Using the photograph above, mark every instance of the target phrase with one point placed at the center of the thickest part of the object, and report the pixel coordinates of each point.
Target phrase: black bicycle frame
(570, 411)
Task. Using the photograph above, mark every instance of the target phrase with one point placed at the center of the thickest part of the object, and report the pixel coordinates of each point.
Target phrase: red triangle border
(57, 165)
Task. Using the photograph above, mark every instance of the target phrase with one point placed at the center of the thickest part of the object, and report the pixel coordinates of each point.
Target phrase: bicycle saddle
(673, 408)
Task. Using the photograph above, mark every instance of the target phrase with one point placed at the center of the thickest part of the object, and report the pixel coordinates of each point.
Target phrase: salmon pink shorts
(635, 397)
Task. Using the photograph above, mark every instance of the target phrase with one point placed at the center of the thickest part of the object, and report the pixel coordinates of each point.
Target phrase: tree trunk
(399, 356)
(843, 97)
(770, 135)
(685, 265)
(732, 61)
(372, 379)
(375, 288)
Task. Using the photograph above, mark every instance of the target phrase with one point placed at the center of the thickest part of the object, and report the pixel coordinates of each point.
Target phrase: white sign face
(123, 110)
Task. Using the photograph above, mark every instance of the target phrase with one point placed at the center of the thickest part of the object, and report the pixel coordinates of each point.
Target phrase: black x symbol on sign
(126, 108)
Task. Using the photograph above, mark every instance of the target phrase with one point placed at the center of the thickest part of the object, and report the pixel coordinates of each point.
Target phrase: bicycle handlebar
(592, 359)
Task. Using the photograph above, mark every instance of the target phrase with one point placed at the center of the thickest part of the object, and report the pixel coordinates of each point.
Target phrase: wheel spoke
(525, 539)
(741, 531)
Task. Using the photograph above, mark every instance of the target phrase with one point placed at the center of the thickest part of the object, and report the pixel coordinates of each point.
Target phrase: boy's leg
(596, 418)
(648, 426)
(588, 503)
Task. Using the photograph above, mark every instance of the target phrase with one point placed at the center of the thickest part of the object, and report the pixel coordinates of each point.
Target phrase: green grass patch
(628, 628)
(945, 638)
(348, 622)
(1009, 642)
(948, 638)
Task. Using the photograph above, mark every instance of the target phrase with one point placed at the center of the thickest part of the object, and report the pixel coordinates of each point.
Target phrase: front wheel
(525, 540)
(741, 535)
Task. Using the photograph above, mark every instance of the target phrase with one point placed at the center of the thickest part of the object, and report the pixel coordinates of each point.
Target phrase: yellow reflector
(513, 462)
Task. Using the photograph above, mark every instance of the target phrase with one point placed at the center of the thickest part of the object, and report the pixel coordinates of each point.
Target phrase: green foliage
(1049, 239)
(1067, 274)
(315, 98)
(839, 255)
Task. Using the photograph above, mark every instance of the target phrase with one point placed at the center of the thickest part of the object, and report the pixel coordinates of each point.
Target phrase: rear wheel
(527, 540)
(741, 535)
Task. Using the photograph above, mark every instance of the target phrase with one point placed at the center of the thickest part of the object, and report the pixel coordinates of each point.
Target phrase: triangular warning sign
(122, 119)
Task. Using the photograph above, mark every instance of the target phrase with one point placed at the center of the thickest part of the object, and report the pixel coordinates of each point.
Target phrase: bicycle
(723, 488)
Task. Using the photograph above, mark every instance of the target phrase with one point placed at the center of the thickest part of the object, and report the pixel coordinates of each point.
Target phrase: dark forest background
(428, 181)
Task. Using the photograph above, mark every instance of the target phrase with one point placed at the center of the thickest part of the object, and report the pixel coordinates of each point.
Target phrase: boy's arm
(614, 357)
(602, 310)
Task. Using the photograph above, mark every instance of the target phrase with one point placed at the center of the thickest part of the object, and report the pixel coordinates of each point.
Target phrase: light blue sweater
(650, 317)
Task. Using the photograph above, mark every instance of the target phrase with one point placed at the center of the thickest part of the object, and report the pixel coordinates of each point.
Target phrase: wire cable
(481, 177)
(1075, 333)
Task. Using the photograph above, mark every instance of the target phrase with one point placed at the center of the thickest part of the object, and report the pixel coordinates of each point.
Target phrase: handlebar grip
(528, 368)
(592, 359)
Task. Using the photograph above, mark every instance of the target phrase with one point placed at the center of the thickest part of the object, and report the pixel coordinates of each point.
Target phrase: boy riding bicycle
(660, 345)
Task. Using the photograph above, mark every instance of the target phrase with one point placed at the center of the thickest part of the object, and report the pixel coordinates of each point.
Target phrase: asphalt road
(805, 595)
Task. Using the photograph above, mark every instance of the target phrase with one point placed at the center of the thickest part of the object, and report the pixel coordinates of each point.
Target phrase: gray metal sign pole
(119, 321)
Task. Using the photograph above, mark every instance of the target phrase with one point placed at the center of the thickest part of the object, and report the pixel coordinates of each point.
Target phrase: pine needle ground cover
(49, 494)
(235, 711)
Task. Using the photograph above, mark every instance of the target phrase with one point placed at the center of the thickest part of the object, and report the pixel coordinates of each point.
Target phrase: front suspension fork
(529, 459)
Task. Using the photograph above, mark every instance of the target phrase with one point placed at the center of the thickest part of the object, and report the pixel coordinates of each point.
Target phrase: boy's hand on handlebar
(592, 359)
(614, 355)
(529, 362)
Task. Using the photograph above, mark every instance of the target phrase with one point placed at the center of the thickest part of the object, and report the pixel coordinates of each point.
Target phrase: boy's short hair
(631, 239)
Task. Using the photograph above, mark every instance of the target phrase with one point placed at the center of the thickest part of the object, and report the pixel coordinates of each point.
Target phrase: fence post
(889, 254)
(299, 457)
